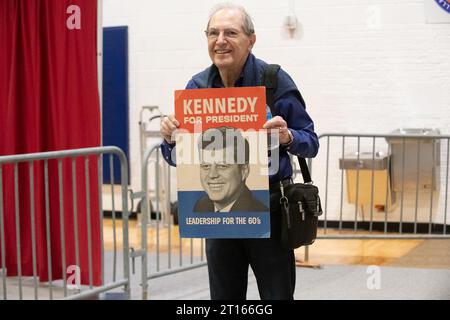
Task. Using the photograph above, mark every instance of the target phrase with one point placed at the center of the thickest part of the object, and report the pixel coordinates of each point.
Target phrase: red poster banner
(243, 108)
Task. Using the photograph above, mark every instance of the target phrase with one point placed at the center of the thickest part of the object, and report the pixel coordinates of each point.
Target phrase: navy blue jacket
(288, 105)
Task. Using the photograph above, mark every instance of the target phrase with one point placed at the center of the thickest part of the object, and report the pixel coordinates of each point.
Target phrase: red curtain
(49, 101)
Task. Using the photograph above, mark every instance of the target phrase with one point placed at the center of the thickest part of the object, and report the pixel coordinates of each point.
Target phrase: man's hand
(168, 125)
(278, 122)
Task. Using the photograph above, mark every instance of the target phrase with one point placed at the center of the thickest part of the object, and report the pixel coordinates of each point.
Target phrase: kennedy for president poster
(222, 163)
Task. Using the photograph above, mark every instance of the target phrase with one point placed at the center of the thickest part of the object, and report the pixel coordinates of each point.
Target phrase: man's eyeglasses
(213, 34)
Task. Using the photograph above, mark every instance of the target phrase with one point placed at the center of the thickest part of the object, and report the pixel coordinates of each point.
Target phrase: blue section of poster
(233, 224)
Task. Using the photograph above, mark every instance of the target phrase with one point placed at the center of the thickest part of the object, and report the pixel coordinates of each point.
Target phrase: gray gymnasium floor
(332, 282)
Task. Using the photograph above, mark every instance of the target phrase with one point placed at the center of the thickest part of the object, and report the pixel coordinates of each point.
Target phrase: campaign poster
(222, 163)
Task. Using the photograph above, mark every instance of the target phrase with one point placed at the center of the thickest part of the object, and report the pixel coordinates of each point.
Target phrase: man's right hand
(168, 125)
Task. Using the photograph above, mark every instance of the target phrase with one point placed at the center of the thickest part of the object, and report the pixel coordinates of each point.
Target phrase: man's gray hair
(247, 23)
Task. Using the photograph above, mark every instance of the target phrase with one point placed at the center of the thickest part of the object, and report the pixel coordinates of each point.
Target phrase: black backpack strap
(270, 81)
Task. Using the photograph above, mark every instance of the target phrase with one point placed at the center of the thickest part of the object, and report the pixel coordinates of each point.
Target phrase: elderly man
(231, 37)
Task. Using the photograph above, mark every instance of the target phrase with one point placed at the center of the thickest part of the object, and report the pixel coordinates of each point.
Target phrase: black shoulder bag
(300, 202)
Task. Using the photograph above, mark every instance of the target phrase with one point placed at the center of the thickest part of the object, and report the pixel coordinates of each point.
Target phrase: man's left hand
(278, 122)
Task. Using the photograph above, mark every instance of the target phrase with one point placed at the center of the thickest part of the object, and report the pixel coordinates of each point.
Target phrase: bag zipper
(302, 211)
(318, 204)
(285, 202)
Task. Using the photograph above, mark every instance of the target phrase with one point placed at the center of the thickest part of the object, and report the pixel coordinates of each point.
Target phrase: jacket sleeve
(291, 108)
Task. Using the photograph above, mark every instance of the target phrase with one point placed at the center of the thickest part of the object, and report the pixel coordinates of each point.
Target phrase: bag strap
(270, 81)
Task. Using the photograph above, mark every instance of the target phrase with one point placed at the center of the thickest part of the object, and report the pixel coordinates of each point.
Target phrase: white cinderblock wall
(362, 65)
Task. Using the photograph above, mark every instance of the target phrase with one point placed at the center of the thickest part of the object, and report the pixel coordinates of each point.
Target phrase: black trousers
(273, 266)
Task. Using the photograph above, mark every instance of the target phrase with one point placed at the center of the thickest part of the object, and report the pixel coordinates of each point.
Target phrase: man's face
(221, 181)
(228, 45)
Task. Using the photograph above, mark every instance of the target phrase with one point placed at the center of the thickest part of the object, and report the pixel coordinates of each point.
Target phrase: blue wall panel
(115, 96)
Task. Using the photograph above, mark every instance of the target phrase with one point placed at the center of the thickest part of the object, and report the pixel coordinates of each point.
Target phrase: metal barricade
(149, 123)
(38, 164)
(421, 213)
(154, 251)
